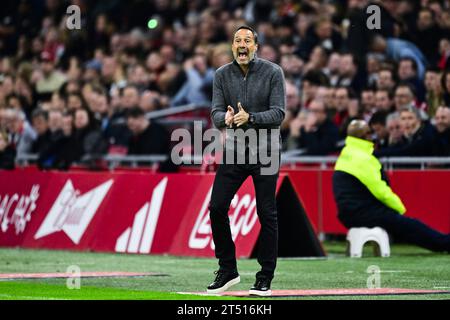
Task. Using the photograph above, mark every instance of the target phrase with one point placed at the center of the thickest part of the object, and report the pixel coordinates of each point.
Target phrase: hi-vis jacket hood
(357, 160)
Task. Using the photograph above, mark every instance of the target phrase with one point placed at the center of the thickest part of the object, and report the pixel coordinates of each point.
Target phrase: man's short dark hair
(389, 93)
(255, 35)
(413, 62)
(378, 117)
(39, 113)
(411, 88)
(135, 112)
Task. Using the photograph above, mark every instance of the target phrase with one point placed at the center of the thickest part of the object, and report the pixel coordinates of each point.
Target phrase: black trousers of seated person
(402, 228)
(229, 178)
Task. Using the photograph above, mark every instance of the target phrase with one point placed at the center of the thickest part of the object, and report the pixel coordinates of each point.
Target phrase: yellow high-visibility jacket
(357, 160)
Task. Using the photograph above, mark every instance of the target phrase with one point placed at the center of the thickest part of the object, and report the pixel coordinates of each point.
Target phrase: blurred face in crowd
(67, 124)
(380, 130)
(14, 102)
(81, 119)
(347, 67)
(368, 100)
(292, 97)
(403, 97)
(409, 123)
(149, 101)
(40, 124)
(7, 86)
(3, 142)
(324, 29)
(395, 130)
(341, 99)
(139, 76)
(334, 62)
(291, 64)
(318, 111)
(373, 65)
(57, 102)
(12, 120)
(269, 53)
(55, 120)
(137, 125)
(431, 80)
(130, 97)
(244, 47)
(382, 100)
(100, 103)
(109, 67)
(154, 62)
(447, 82)
(442, 119)
(406, 70)
(47, 68)
(318, 58)
(74, 102)
(425, 20)
(385, 80)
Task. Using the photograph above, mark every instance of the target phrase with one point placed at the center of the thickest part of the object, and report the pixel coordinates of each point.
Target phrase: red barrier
(137, 212)
(425, 194)
(119, 212)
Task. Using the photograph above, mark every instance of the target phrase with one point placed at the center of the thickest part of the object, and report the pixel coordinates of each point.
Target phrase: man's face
(403, 97)
(292, 97)
(382, 101)
(130, 98)
(425, 20)
(341, 99)
(430, 80)
(380, 130)
(244, 46)
(135, 124)
(347, 67)
(395, 130)
(81, 119)
(406, 70)
(55, 120)
(40, 125)
(442, 119)
(317, 110)
(47, 67)
(367, 100)
(409, 123)
(385, 80)
(3, 143)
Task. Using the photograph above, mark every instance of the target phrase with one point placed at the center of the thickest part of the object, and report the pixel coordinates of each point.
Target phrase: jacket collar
(251, 65)
(361, 144)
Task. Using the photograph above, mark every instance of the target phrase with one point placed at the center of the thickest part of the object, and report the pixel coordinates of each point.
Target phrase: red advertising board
(141, 212)
(119, 212)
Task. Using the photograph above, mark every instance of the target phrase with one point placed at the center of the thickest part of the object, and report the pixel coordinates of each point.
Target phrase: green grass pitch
(408, 267)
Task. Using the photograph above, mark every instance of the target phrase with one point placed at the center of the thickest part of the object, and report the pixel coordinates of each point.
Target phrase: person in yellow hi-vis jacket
(365, 199)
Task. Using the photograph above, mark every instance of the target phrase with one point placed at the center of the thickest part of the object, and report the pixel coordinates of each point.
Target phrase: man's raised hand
(229, 117)
(241, 117)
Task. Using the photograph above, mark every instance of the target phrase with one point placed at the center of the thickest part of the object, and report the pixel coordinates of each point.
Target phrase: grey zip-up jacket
(261, 92)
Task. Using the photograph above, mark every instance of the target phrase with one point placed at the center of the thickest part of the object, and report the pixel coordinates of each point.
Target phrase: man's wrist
(251, 118)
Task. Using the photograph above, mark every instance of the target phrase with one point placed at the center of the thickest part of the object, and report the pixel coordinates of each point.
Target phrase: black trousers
(400, 227)
(229, 178)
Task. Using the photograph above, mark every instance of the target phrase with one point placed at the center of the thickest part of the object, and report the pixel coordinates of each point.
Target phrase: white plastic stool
(357, 237)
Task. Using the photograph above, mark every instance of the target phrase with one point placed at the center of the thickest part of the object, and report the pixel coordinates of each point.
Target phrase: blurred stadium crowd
(65, 94)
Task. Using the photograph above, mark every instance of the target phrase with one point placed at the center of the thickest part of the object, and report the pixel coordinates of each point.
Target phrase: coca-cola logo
(16, 210)
(243, 217)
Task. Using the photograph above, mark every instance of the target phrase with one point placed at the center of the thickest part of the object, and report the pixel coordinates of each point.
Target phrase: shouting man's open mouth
(243, 54)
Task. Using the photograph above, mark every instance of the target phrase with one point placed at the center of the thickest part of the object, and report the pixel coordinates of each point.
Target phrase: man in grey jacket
(248, 94)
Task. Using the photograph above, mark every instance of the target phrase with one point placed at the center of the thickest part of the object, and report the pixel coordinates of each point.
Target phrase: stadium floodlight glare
(152, 23)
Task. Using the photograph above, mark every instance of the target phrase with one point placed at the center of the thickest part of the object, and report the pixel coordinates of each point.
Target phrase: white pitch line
(29, 297)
